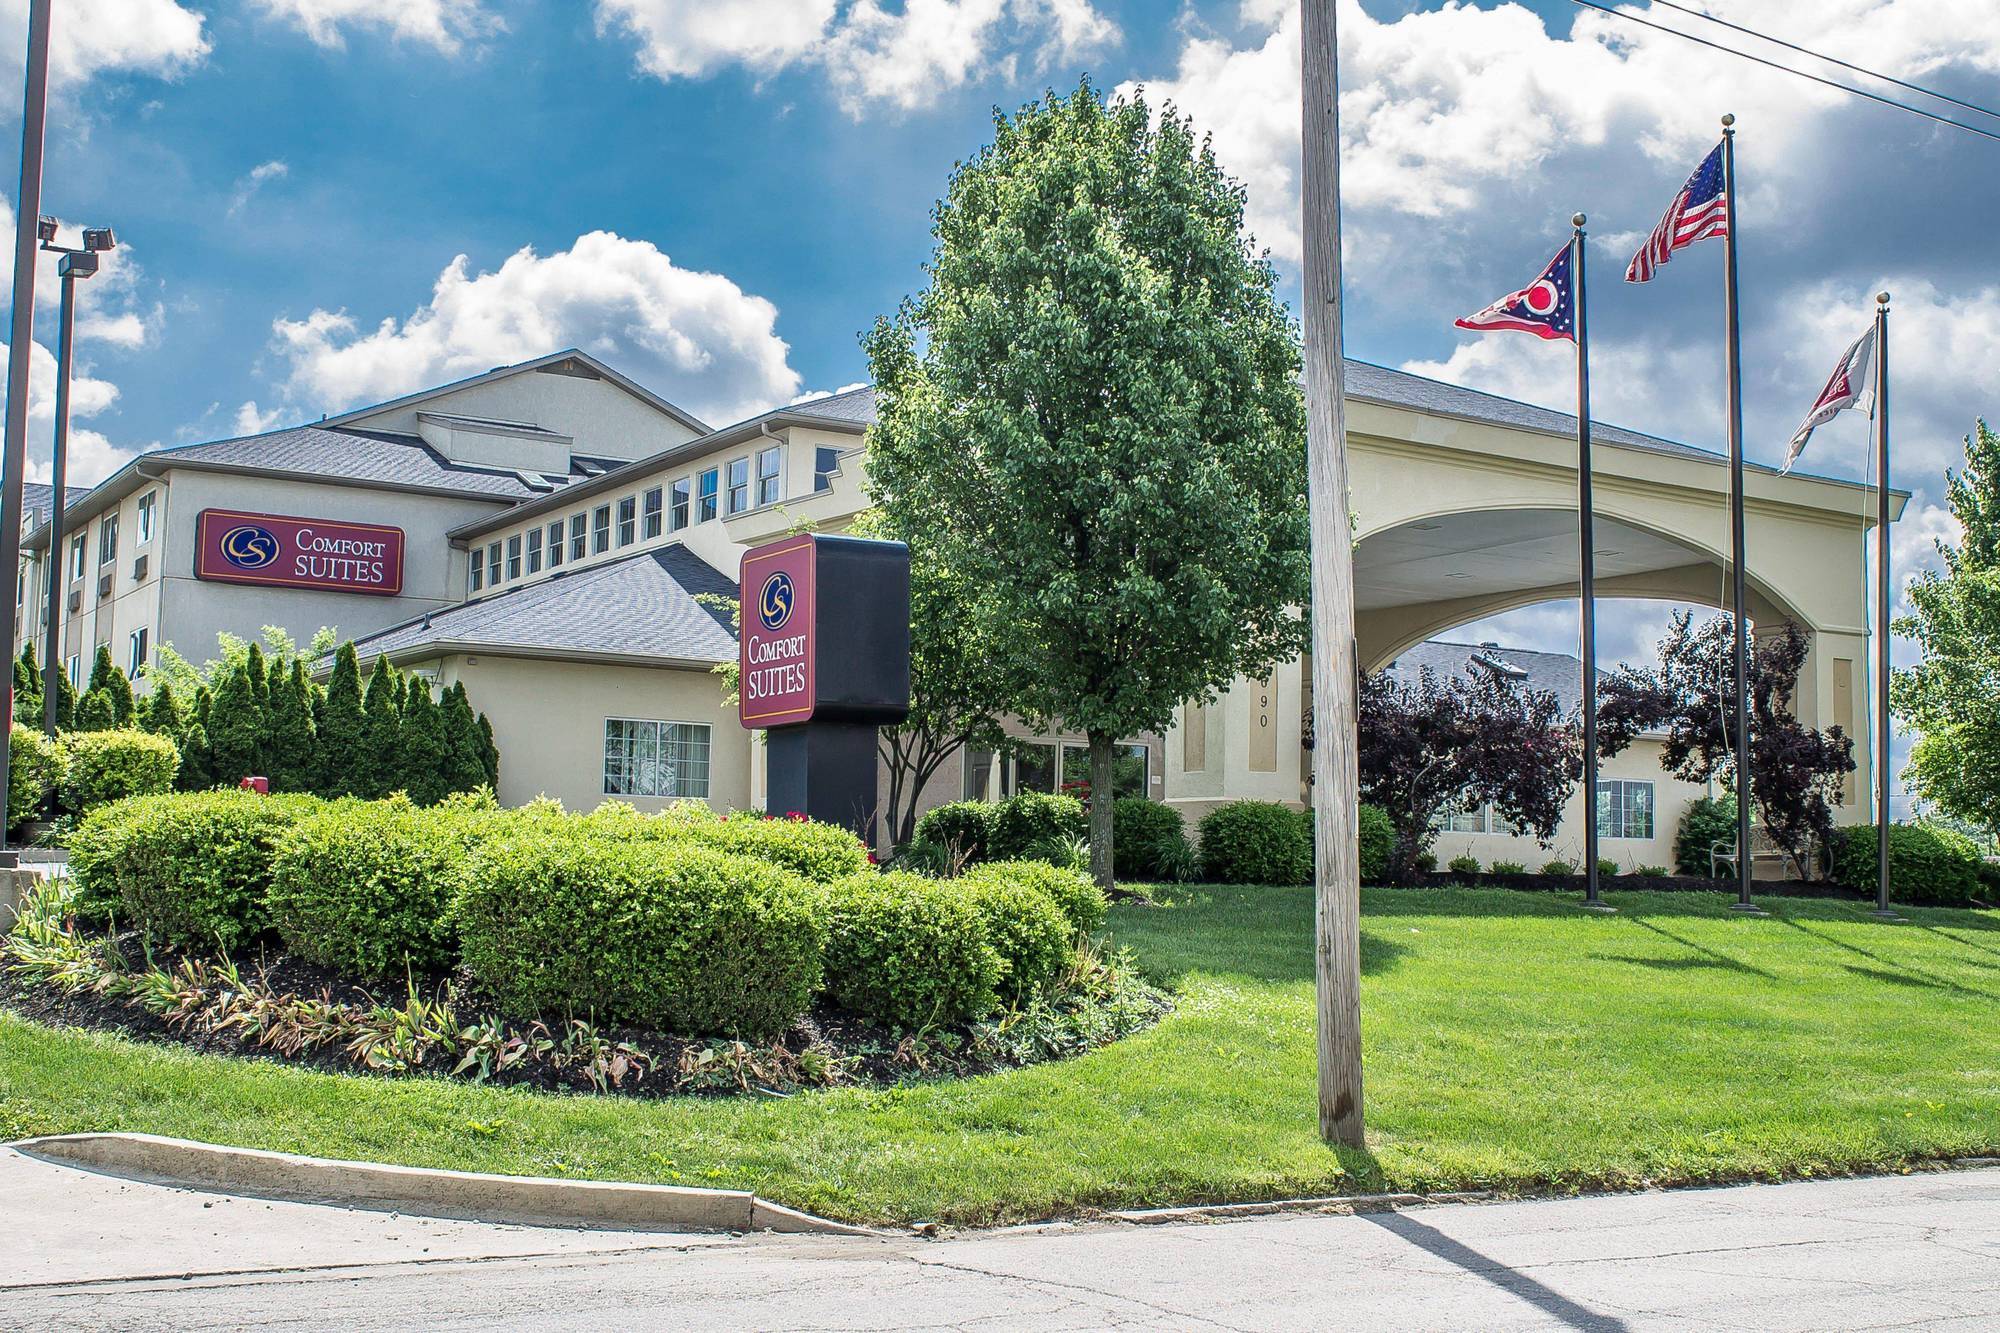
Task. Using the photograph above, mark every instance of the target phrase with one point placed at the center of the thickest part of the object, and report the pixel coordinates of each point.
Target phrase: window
(514, 556)
(137, 643)
(769, 464)
(707, 510)
(1624, 808)
(655, 758)
(76, 562)
(493, 564)
(1034, 769)
(75, 670)
(628, 520)
(600, 530)
(107, 539)
(826, 464)
(654, 515)
(979, 766)
(147, 504)
(535, 551)
(1466, 821)
(739, 485)
(555, 544)
(478, 572)
(1128, 770)
(578, 537)
(680, 489)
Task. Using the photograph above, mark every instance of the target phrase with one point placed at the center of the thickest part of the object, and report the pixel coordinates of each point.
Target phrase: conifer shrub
(103, 766)
(366, 888)
(192, 868)
(559, 918)
(1074, 892)
(1147, 839)
(34, 772)
(908, 951)
(1255, 842)
(1019, 822)
(963, 828)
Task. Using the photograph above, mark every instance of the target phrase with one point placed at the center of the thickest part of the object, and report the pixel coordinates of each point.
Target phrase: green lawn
(1512, 1042)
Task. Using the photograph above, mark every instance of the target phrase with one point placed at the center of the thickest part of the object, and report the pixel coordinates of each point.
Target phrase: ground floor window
(645, 758)
(1128, 771)
(1624, 808)
(1048, 766)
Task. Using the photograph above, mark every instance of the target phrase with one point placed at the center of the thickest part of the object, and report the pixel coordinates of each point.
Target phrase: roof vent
(1500, 667)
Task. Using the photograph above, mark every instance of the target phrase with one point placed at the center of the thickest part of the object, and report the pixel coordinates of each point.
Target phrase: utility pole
(20, 347)
(1336, 779)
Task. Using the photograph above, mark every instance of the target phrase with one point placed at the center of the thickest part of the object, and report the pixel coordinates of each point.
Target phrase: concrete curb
(465, 1195)
(1344, 1203)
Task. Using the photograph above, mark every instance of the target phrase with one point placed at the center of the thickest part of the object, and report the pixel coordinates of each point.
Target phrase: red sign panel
(775, 634)
(276, 551)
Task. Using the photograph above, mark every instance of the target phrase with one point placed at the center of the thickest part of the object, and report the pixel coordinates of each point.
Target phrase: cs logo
(774, 601)
(249, 546)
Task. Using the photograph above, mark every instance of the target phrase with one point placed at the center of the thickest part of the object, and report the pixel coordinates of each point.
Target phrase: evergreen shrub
(1924, 866)
(1147, 839)
(908, 951)
(964, 828)
(102, 766)
(1255, 842)
(1074, 892)
(1019, 822)
(564, 919)
(34, 772)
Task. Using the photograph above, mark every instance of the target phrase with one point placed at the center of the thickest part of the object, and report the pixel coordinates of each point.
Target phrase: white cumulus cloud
(444, 24)
(695, 337)
(89, 38)
(686, 38)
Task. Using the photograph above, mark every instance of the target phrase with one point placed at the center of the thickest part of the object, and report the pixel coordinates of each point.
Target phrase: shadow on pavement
(1544, 1298)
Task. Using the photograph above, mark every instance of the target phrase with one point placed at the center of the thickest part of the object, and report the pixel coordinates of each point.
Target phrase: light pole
(75, 264)
(20, 347)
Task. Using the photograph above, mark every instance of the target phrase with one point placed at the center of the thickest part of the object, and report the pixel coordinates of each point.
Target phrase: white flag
(1847, 387)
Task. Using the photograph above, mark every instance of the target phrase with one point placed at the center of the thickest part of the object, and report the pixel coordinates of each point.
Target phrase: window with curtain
(649, 758)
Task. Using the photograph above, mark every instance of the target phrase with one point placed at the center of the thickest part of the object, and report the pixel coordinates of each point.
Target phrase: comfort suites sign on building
(277, 551)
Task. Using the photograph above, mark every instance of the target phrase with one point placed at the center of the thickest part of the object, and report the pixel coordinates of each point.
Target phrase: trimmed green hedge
(1148, 839)
(1074, 892)
(34, 771)
(366, 888)
(963, 827)
(822, 853)
(657, 932)
(1019, 822)
(102, 766)
(908, 951)
(1924, 867)
(1026, 929)
(1255, 842)
(192, 868)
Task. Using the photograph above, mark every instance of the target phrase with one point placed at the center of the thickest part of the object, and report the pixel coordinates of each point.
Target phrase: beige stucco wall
(548, 720)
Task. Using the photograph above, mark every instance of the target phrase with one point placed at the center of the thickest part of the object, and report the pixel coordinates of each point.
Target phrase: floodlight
(45, 229)
(99, 238)
(77, 264)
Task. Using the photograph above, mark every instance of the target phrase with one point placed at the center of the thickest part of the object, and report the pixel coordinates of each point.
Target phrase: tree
(107, 676)
(96, 711)
(380, 750)
(161, 713)
(489, 754)
(422, 752)
(235, 729)
(1437, 745)
(28, 688)
(343, 764)
(1092, 418)
(293, 762)
(66, 702)
(197, 755)
(1949, 698)
(465, 744)
(1795, 771)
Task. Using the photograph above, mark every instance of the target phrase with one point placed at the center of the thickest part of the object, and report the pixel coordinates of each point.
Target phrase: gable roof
(1560, 674)
(639, 610)
(553, 361)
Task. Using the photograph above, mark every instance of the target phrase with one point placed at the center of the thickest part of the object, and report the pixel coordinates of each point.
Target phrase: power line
(1831, 60)
(1787, 69)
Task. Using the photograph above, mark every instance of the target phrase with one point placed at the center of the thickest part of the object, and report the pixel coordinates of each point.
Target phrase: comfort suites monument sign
(824, 655)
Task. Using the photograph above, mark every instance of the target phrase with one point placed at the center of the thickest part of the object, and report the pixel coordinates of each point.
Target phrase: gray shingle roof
(36, 495)
(854, 405)
(640, 607)
(1559, 674)
(351, 455)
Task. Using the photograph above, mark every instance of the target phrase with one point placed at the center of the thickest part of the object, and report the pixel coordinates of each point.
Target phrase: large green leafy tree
(1951, 698)
(1092, 416)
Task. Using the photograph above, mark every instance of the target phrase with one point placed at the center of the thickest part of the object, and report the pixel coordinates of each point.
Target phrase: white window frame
(147, 503)
(600, 530)
(79, 556)
(535, 549)
(493, 565)
(655, 510)
(1615, 811)
(136, 646)
(708, 495)
(476, 577)
(556, 544)
(107, 539)
(681, 508)
(647, 741)
(736, 486)
(770, 475)
(628, 520)
(579, 536)
(514, 557)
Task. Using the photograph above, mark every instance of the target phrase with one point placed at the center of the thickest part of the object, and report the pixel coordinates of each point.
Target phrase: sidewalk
(87, 1251)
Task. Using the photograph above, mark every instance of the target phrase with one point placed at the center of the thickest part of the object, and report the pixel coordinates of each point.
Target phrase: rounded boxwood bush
(1255, 842)
(908, 951)
(1148, 838)
(1375, 836)
(191, 867)
(34, 772)
(822, 853)
(1923, 867)
(101, 766)
(1026, 929)
(1074, 892)
(1019, 822)
(963, 828)
(664, 933)
(365, 888)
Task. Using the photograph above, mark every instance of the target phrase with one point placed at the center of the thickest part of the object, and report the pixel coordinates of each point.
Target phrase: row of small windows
(1624, 810)
(670, 508)
(107, 536)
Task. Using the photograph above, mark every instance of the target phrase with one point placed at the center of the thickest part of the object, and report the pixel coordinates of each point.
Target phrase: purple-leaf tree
(1438, 745)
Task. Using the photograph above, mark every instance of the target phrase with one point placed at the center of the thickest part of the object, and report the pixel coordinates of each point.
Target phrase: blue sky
(719, 195)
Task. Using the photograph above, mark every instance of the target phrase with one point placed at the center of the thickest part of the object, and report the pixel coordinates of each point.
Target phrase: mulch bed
(1776, 888)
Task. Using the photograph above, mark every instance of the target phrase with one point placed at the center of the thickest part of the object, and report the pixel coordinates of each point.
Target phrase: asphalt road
(81, 1250)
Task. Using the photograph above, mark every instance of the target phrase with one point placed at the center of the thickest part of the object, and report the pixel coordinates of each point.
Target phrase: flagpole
(1587, 571)
(1738, 599)
(1882, 602)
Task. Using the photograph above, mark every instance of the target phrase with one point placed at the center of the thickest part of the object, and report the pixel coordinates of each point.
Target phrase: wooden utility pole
(1337, 860)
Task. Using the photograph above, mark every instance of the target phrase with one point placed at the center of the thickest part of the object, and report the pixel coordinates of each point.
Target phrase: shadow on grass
(1895, 971)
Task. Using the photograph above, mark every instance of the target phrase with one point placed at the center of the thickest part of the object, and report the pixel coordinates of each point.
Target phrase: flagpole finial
(1577, 220)
(1882, 298)
(1728, 119)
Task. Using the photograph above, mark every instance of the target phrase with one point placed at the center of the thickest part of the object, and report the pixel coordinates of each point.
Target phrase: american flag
(1699, 211)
